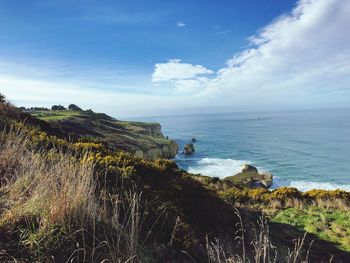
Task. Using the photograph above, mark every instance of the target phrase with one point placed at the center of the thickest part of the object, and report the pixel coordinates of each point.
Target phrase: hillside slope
(145, 140)
(64, 201)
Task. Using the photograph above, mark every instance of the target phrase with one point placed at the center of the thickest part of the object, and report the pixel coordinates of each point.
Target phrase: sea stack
(189, 149)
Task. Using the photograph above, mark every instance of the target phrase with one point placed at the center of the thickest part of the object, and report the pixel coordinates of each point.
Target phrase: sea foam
(305, 186)
(217, 167)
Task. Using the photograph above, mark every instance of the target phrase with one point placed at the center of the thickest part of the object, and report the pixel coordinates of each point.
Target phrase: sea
(306, 149)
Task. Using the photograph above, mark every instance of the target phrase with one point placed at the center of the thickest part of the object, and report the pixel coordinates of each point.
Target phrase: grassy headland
(56, 115)
(143, 139)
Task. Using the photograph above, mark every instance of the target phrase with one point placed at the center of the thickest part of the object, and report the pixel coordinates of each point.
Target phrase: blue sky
(145, 57)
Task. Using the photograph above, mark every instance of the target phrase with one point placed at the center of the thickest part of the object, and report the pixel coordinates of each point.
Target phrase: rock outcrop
(246, 168)
(266, 180)
(189, 149)
(250, 177)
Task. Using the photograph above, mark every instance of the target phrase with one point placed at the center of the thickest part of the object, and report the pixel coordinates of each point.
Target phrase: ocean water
(303, 149)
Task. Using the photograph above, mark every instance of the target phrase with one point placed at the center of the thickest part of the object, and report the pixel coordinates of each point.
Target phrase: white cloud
(300, 57)
(180, 24)
(82, 73)
(189, 85)
(174, 69)
(307, 50)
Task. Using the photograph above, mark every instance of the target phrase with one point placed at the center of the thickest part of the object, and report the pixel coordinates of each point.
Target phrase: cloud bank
(300, 57)
(28, 92)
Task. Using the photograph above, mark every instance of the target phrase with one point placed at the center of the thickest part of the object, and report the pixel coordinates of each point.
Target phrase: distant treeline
(72, 107)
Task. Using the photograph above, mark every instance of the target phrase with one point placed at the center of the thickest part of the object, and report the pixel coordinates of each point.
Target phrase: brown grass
(264, 251)
(52, 197)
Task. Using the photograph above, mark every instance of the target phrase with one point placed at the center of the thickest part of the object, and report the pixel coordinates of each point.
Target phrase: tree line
(71, 107)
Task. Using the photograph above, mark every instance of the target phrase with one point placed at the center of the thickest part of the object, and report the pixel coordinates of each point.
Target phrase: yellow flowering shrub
(84, 146)
(285, 192)
(327, 194)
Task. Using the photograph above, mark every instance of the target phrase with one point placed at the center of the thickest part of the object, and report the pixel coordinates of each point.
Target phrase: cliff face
(166, 151)
(152, 129)
(145, 140)
(163, 148)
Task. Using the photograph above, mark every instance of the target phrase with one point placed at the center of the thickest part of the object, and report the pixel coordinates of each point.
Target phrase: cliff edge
(145, 140)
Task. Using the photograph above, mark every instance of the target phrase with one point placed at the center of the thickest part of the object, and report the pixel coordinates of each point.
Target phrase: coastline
(222, 168)
(302, 149)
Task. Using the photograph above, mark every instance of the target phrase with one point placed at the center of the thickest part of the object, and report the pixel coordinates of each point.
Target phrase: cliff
(145, 140)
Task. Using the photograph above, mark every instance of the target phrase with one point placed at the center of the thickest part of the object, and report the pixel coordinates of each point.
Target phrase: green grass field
(56, 115)
(327, 224)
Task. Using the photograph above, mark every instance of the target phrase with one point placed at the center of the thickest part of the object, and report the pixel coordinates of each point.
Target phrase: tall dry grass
(52, 182)
(49, 199)
(263, 249)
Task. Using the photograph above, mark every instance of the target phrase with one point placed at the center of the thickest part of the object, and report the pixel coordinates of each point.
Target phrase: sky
(139, 58)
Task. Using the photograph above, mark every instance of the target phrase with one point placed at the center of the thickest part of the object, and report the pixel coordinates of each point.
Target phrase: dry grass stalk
(52, 190)
(264, 250)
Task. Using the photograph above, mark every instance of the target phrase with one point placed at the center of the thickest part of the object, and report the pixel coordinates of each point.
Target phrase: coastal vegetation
(83, 198)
